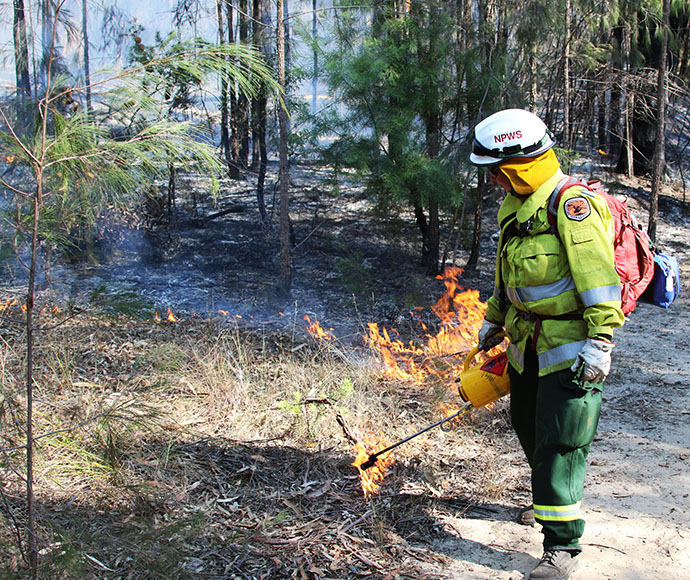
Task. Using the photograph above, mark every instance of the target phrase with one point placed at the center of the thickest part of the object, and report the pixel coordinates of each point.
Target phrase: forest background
(210, 125)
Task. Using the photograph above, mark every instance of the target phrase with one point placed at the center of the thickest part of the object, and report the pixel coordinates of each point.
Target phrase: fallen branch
(232, 209)
(338, 416)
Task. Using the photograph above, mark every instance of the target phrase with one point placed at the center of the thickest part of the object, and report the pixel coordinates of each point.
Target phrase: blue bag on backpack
(665, 285)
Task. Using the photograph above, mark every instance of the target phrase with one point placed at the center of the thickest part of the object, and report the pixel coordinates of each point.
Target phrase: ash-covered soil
(352, 262)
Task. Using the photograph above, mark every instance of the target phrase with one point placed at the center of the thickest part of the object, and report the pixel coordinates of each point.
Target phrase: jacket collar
(539, 198)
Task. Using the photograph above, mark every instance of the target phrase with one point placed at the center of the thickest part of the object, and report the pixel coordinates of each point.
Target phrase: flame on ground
(7, 303)
(429, 358)
(169, 318)
(315, 329)
(371, 478)
(461, 314)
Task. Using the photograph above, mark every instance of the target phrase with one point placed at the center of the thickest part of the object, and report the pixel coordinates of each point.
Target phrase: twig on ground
(338, 416)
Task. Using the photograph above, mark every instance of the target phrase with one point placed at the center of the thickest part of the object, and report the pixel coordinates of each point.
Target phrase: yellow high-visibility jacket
(562, 288)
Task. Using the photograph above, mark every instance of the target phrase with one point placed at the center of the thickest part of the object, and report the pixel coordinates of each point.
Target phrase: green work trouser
(555, 418)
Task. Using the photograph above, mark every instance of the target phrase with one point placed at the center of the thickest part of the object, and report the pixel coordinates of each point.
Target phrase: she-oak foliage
(89, 163)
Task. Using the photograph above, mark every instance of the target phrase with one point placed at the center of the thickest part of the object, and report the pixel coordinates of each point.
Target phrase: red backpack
(633, 253)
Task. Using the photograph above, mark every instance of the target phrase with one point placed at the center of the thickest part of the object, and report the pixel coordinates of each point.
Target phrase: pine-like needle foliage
(80, 162)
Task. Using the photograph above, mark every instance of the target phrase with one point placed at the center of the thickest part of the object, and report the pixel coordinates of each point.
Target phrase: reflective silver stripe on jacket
(533, 293)
(601, 294)
(560, 354)
(517, 355)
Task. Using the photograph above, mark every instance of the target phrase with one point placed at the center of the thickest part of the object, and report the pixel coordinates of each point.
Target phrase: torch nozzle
(369, 462)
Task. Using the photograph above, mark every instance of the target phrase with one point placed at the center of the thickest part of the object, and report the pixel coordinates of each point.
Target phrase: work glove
(595, 358)
(487, 335)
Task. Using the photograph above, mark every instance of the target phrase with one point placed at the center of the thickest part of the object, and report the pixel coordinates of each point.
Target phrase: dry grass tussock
(198, 449)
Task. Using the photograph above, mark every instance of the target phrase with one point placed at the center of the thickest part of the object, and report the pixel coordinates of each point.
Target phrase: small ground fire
(427, 360)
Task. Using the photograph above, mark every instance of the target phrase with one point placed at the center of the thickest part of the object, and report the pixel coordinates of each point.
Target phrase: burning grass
(193, 448)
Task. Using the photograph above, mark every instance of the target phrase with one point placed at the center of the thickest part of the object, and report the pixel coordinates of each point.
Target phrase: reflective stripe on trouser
(556, 420)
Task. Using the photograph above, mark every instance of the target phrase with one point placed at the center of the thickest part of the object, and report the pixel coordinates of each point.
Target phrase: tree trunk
(242, 101)
(21, 51)
(87, 72)
(256, 37)
(285, 253)
(660, 149)
(432, 243)
(532, 66)
(258, 109)
(602, 116)
(615, 114)
(567, 129)
(430, 236)
(224, 132)
(234, 169)
(626, 159)
(47, 32)
(477, 230)
(315, 60)
(32, 545)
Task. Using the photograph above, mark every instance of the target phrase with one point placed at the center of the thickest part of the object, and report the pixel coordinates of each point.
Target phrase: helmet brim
(486, 160)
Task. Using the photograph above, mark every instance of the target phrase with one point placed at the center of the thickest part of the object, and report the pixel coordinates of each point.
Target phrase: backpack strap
(508, 230)
(566, 183)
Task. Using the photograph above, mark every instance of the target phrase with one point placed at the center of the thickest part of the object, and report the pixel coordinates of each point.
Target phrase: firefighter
(557, 296)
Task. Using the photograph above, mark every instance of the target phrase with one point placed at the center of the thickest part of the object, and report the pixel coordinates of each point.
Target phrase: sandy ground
(637, 495)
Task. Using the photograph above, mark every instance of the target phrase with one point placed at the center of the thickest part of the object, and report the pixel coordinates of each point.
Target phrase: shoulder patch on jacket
(577, 208)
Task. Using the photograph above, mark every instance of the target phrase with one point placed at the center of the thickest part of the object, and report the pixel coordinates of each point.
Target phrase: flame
(9, 302)
(371, 478)
(315, 329)
(169, 318)
(461, 313)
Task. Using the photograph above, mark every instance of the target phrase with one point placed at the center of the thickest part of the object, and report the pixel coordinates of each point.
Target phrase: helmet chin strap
(519, 195)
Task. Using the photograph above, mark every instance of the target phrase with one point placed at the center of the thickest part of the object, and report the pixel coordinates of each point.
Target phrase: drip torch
(479, 385)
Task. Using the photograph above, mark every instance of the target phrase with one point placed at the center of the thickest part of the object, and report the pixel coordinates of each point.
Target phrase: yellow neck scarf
(526, 174)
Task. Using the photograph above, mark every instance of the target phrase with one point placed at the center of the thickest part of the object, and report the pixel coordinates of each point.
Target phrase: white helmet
(507, 134)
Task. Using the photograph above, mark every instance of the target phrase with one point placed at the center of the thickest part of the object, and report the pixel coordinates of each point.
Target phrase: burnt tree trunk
(233, 168)
(285, 250)
(87, 71)
(429, 230)
(477, 230)
(21, 51)
(626, 163)
(224, 132)
(242, 100)
(431, 244)
(258, 114)
(567, 128)
(660, 149)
